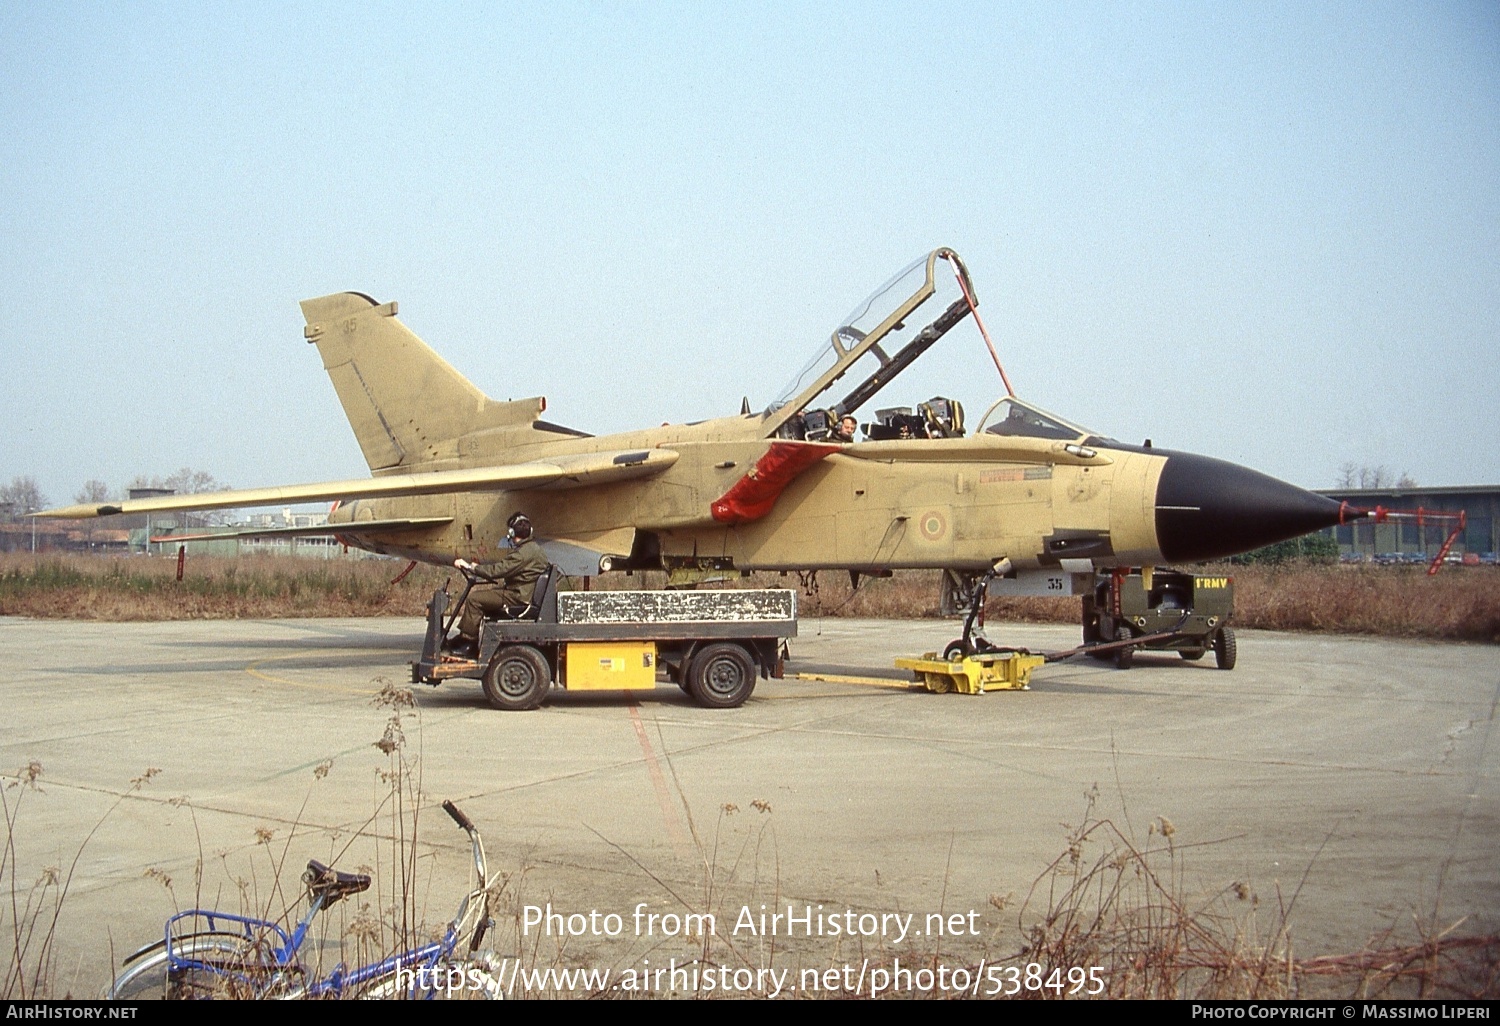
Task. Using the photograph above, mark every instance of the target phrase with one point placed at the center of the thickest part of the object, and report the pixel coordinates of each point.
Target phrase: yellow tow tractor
(712, 644)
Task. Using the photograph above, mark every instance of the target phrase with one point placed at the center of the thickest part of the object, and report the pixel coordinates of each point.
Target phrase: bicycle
(205, 953)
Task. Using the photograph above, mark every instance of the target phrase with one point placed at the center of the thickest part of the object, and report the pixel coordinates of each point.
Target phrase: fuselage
(956, 503)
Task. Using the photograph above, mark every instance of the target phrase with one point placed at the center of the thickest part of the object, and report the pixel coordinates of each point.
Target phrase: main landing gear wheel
(955, 650)
(721, 676)
(517, 679)
(1225, 652)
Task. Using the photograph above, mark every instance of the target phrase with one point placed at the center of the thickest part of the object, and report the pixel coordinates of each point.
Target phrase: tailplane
(407, 405)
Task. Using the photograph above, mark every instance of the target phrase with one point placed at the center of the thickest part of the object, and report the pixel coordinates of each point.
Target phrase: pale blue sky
(1266, 232)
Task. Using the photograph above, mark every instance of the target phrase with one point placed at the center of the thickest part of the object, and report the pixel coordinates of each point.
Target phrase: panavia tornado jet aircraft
(819, 479)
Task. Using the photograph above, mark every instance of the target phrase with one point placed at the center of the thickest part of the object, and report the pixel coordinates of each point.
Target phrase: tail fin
(406, 404)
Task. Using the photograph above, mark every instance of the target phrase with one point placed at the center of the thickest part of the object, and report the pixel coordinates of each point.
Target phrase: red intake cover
(754, 494)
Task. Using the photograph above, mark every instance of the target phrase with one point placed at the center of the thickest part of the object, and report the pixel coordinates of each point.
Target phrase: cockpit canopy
(879, 339)
(1011, 416)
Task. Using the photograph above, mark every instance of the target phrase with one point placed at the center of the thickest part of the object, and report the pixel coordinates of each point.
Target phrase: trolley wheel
(721, 676)
(1124, 656)
(1192, 655)
(1225, 652)
(517, 678)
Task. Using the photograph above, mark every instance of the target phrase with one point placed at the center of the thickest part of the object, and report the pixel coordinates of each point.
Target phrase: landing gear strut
(973, 642)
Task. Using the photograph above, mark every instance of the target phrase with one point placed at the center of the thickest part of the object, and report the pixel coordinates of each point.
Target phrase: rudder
(407, 405)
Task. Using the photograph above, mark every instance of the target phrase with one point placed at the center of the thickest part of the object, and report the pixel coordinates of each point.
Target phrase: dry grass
(29, 919)
(1111, 902)
(1115, 916)
(371, 926)
(1458, 604)
(212, 588)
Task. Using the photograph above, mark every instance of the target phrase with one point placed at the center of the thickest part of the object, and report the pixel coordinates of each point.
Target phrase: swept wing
(571, 471)
(319, 531)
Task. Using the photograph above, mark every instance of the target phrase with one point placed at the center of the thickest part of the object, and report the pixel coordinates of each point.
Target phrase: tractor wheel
(1124, 656)
(1225, 653)
(517, 679)
(721, 676)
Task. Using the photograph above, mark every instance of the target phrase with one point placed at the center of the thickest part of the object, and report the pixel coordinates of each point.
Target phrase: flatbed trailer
(712, 644)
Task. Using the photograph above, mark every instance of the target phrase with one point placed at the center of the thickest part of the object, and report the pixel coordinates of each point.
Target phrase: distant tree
(187, 481)
(1321, 547)
(1352, 475)
(93, 490)
(1310, 548)
(21, 496)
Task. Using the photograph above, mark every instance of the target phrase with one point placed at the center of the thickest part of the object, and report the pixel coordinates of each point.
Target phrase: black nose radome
(1209, 509)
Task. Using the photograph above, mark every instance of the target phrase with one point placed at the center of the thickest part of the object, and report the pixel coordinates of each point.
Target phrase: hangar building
(1481, 536)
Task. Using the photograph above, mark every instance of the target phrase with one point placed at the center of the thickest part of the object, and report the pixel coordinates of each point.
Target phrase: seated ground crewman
(518, 571)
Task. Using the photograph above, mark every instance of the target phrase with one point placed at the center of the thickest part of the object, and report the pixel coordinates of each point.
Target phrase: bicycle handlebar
(458, 817)
(463, 821)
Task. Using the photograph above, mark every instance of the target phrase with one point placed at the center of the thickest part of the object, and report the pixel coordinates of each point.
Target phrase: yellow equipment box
(610, 665)
(974, 675)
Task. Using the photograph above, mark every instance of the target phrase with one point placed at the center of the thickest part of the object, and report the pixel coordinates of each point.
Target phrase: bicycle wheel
(458, 980)
(152, 977)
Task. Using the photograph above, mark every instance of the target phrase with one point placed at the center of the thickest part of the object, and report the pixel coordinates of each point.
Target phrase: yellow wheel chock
(973, 675)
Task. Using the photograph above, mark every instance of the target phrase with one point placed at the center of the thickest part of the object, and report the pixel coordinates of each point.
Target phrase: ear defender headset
(518, 527)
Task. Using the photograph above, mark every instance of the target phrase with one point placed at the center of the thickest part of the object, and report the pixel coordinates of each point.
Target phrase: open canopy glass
(879, 339)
